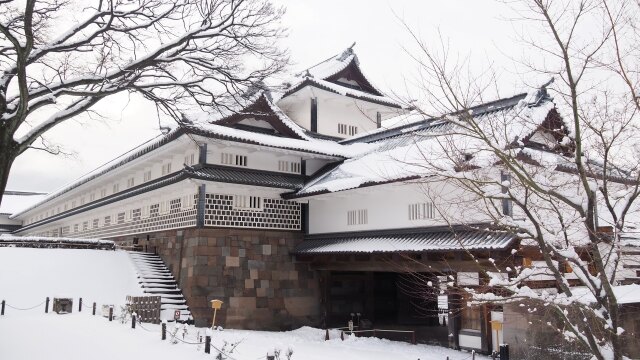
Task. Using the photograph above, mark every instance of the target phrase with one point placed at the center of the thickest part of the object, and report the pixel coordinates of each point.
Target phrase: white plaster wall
(256, 159)
(388, 208)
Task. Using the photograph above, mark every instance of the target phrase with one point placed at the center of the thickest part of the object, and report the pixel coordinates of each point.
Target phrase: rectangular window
(85, 225)
(421, 211)
(189, 159)
(342, 129)
(82, 200)
(103, 193)
(130, 182)
(357, 217)
(166, 169)
(116, 188)
(283, 165)
(135, 214)
(75, 228)
(107, 220)
(353, 130)
(154, 210)
(92, 196)
(121, 218)
(96, 222)
(247, 202)
(73, 204)
(241, 160)
(147, 176)
(226, 158)
(174, 206)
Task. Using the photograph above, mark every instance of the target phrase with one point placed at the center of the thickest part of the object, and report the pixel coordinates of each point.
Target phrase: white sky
(317, 29)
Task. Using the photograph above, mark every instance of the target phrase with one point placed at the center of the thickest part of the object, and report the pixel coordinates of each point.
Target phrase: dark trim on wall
(202, 155)
(304, 209)
(202, 190)
(314, 115)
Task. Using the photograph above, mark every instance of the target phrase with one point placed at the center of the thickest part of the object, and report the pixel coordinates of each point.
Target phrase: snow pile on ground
(29, 335)
(28, 276)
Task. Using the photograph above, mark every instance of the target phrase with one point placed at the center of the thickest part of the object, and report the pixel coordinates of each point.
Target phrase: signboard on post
(176, 315)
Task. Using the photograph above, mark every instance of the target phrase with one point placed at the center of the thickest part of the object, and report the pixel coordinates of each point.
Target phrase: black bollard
(207, 344)
(164, 331)
(504, 352)
(110, 313)
(2, 310)
(94, 308)
(46, 307)
(133, 321)
(80, 305)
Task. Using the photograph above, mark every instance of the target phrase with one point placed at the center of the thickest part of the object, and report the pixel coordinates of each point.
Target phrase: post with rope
(80, 305)
(110, 313)
(133, 320)
(94, 308)
(473, 355)
(46, 307)
(2, 310)
(164, 330)
(207, 344)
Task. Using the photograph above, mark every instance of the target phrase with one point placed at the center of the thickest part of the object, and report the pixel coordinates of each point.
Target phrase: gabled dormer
(262, 116)
(334, 98)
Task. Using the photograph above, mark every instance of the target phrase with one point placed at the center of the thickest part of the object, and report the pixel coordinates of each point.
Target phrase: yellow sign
(496, 325)
(216, 304)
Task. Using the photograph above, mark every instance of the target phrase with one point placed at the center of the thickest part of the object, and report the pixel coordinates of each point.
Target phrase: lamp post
(215, 305)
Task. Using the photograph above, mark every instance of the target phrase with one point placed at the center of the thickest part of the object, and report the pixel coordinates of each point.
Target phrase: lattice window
(357, 217)
(92, 197)
(107, 220)
(353, 130)
(247, 202)
(241, 160)
(121, 218)
(96, 223)
(116, 188)
(75, 228)
(147, 175)
(103, 193)
(283, 165)
(421, 211)
(226, 158)
(82, 200)
(154, 210)
(131, 182)
(342, 129)
(135, 214)
(85, 226)
(65, 231)
(276, 214)
(286, 166)
(189, 159)
(175, 205)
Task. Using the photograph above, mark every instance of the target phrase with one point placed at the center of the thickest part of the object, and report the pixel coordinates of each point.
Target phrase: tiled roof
(416, 240)
(248, 177)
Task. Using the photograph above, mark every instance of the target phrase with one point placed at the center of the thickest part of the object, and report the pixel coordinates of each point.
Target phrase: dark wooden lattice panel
(147, 308)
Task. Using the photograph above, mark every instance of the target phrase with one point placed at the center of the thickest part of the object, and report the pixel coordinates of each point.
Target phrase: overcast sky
(316, 30)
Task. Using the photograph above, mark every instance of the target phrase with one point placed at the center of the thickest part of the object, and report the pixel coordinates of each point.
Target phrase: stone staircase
(156, 280)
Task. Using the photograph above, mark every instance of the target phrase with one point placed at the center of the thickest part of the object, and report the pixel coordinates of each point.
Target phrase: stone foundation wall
(251, 271)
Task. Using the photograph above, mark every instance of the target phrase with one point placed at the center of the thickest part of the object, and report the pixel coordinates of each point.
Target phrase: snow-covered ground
(32, 335)
(28, 276)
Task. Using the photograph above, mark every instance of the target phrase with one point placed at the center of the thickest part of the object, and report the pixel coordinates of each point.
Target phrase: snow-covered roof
(416, 240)
(322, 76)
(401, 152)
(44, 239)
(13, 202)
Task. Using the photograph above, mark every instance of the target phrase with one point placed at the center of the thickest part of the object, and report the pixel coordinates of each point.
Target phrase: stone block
(231, 261)
(262, 302)
(247, 303)
(264, 284)
(248, 284)
(261, 292)
(256, 264)
(253, 273)
(266, 249)
(242, 252)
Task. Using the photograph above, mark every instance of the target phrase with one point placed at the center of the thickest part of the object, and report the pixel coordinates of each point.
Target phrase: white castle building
(298, 210)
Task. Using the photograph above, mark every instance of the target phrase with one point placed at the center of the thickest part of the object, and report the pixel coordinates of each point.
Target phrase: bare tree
(574, 190)
(60, 57)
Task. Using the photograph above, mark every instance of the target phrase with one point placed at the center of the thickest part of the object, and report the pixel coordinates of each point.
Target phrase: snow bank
(28, 276)
(82, 336)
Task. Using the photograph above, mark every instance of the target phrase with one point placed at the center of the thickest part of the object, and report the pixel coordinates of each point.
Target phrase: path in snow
(31, 335)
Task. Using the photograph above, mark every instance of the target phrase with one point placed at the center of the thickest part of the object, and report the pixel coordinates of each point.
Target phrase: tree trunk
(8, 150)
